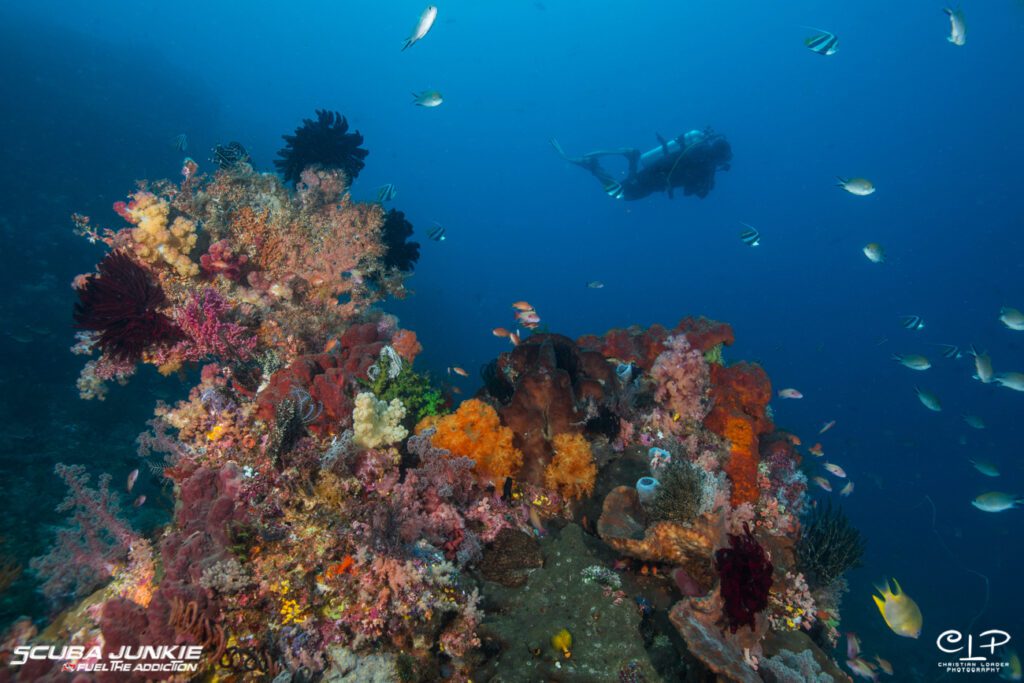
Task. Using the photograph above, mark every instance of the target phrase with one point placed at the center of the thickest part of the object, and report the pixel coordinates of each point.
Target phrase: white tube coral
(377, 423)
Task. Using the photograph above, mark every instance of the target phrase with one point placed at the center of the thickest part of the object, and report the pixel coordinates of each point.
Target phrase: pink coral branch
(208, 334)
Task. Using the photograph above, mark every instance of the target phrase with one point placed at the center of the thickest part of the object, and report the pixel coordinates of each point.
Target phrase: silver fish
(982, 365)
(1012, 318)
(974, 421)
(427, 98)
(985, 467)
(912, 361)
(997, 501)
(1011, 380)
(928, 399)
(957, 26)
(422, 27)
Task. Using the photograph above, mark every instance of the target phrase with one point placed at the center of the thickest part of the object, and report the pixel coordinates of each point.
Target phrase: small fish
(874, 252)
(750, 237)
(816, 450)
(422, 27)
(179, 142)
(132, 476)
(852, 646)
(957, 26)
(386, 192)
(901, 613)
(500, 332)
(514, 338)
(996, 501)
(974, 421)
(912, 322)
(827, 426)
(982, 365)
(912, 361)
(794, 439)
(823, 483)
(930, 400)
(139, 501)
(835, 469)
(790, 393)
(861, 187)
(595, 284)
(436, 233)
(884, 665)
(528, 317)
(950, 351)
(823, 43)
(613, 189)
(862, 668)
(1012, 318)
(985, 467)
(457, 371)
(1011, 380)
(522, 306)
(427, 98)
(846, 490)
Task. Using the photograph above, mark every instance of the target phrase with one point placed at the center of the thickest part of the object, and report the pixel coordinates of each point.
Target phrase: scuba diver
(688, 161)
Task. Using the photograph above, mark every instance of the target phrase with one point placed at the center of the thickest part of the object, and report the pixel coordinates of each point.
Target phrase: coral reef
(326, 143)
(377, 423)
(158, 240)
(572, 471)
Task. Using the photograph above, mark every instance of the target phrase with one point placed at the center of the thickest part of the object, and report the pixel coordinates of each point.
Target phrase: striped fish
(180, 142)
(750, 237)
(385, 193)
(613, 189)
(950, 351)
(824, 43)
(912, 322)
(436, 233)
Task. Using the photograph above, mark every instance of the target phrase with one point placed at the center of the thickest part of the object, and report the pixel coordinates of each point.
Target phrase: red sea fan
(746, 575)
(121, 303)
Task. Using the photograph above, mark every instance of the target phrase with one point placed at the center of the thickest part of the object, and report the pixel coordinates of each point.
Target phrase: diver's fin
(664, 144)
(558, 148)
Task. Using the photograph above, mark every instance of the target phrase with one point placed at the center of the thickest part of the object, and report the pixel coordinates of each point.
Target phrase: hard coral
(122, 305)
(325, 142)
(572, 471)
(474, 431)
(746, 574)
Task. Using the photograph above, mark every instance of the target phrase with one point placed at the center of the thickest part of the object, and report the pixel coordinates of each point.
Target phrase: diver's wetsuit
(688, 161)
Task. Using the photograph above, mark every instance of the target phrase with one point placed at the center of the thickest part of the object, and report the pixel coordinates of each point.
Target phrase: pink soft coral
(202, 321)
(683, 382)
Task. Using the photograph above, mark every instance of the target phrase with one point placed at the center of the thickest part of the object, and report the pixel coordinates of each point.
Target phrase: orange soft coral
(406, 344)
(572, 471)
(474, 431)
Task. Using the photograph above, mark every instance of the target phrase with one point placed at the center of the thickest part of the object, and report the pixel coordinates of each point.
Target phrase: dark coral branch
(400, 254)
(828, 546)
(746, 575)
(325, 142)
(121, 303)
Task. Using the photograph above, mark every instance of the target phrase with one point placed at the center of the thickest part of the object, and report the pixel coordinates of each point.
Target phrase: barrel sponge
(572, 471)
(156, 241)
(377, 423)
(475, 431)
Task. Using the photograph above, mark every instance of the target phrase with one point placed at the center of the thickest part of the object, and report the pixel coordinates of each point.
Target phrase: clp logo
(989, 640)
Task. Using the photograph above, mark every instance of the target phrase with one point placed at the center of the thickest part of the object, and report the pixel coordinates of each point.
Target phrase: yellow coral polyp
(572, 471)
(291, 612)
(216, 433)
(155, 241)
(377, 423)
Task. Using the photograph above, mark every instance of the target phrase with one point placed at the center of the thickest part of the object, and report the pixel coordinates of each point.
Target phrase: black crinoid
(399, 253)
(325, 142)
(121, 304)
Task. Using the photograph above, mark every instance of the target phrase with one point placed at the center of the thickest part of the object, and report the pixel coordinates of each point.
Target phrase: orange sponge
(476, 432)
(572, 471)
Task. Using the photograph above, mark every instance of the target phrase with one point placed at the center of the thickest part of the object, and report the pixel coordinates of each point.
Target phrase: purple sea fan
(746, 575)
(121, 304)
(208, 334)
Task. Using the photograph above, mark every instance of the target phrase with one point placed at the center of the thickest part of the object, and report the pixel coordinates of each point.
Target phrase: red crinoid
(121, 303)
(746, 575)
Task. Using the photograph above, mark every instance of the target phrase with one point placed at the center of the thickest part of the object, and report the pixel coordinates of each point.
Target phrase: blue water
(92, 93)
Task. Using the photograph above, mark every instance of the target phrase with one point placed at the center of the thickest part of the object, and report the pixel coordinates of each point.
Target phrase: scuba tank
(669, 148)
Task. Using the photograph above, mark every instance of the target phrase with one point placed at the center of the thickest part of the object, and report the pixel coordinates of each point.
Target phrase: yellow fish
(899, 610)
